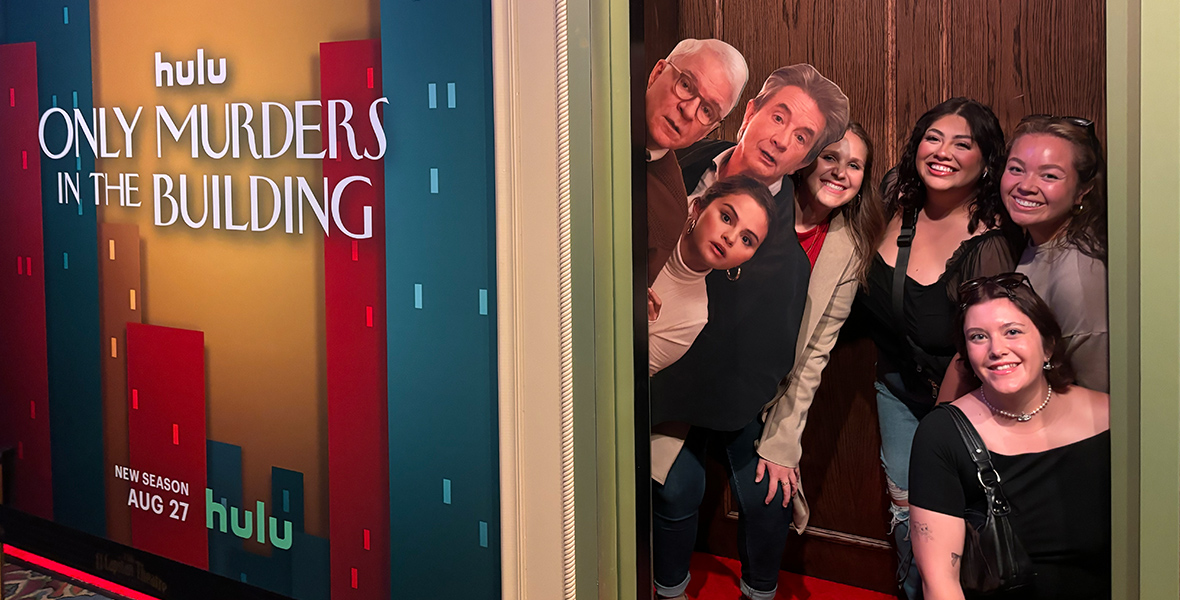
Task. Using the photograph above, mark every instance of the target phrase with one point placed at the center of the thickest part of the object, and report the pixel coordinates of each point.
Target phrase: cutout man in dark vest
(717, 390)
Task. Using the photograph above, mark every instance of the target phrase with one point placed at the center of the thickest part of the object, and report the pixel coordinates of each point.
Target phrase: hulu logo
(250, 523)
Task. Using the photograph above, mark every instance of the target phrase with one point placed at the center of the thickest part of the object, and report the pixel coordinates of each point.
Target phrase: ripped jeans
(899, 421)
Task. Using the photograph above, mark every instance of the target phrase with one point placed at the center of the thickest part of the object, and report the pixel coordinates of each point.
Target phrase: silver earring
(1048, 366)
(733, 276)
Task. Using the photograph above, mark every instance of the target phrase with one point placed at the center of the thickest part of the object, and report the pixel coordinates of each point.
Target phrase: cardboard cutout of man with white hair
(688, 94)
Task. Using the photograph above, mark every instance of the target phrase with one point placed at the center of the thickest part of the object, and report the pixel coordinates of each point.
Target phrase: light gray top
(1074, 286)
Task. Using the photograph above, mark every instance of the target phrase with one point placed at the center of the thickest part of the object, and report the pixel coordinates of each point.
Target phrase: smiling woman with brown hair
(838, 220)
(1054, 185)
(1049, 446)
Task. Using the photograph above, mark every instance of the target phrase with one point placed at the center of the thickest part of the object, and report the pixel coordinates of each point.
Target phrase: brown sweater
(667, 211)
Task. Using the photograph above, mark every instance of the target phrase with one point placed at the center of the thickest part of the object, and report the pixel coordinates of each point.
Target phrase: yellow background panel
(257, 296)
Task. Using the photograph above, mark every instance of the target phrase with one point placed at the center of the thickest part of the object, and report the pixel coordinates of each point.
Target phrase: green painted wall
(1122, 150)
(1159, 302)
(604, 374)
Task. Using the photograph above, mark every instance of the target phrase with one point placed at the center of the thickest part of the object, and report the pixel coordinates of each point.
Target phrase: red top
(812, 241)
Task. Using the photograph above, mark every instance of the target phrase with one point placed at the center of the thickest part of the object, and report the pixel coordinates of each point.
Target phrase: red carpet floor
(716, 578)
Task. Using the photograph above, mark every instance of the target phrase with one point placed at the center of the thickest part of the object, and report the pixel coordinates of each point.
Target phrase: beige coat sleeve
(787, 415)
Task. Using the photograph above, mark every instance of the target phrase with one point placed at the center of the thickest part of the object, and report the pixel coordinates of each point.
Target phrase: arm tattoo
(955, 559)
(923, 530)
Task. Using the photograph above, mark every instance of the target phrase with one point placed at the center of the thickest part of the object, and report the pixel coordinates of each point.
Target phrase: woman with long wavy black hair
(947, 224)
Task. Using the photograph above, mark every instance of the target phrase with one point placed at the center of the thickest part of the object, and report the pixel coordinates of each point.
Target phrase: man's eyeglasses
(708, 113)
(1008, 281)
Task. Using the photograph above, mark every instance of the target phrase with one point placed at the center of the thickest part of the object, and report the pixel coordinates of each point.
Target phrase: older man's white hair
(731, 60)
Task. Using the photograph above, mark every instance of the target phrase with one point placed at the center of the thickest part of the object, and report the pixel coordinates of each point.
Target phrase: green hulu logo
(250, 523)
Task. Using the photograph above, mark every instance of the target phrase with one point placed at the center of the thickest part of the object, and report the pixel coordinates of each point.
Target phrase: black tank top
(929, 310)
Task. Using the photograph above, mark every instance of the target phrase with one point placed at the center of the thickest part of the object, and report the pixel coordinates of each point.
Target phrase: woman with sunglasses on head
(727, 225)
(945, 226)
(1049, 445)
(1054, 186)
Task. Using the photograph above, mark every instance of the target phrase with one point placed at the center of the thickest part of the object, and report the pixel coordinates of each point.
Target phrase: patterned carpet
(22, 583)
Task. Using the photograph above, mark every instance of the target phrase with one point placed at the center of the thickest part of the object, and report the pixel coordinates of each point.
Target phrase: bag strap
(989, 478)
(909, 220)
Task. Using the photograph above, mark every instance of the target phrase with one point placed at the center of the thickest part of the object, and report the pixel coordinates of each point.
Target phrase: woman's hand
(653, 305)
(788, 477)
(956, 381)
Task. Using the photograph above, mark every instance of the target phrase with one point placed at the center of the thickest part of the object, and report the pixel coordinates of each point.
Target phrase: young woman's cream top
(685, 312)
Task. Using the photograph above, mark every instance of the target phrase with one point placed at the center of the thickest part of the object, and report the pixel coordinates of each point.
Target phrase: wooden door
(894, 59)
(847, 539)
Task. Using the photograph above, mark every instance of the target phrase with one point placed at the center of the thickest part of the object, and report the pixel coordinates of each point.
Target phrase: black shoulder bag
(994, 561)
(928, 370)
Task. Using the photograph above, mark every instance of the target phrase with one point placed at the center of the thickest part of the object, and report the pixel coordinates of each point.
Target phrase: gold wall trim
(565, 293)
(1122, 151)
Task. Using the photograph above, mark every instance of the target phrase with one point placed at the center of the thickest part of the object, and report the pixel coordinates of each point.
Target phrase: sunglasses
(1008, 281)
(1082, 122)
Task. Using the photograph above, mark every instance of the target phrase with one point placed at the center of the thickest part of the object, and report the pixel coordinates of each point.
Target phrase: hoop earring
(692, 224)
(733, 276)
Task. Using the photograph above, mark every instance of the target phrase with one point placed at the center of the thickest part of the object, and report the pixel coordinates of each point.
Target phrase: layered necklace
(815, 232)
(1022, 417)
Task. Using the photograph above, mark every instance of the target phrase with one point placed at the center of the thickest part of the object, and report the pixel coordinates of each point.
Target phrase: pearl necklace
(1022, 417)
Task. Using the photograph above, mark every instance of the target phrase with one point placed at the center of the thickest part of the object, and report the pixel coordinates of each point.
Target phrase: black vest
(734, 367)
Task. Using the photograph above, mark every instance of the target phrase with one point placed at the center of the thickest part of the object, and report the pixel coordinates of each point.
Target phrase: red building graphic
(24, 367)
(166, 420)
(354, 294)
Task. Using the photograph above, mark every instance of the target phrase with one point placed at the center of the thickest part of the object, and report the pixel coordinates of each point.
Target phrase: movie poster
(251, 325)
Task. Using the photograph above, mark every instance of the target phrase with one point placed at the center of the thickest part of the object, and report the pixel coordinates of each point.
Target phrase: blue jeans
(762, 528)
(899, 421)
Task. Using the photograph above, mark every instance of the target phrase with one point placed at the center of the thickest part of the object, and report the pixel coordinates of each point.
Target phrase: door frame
(1143, 133)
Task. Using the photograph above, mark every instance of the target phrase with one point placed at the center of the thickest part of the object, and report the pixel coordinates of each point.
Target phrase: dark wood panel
(871, 568)
(841, 469)
(1024, 58)
(661, 22)
(697, 19)
(918, 59)
(795, 32)
(848, 537)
